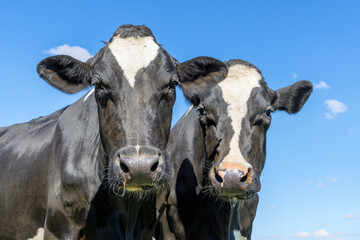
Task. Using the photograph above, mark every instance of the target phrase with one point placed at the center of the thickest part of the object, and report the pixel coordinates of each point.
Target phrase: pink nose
(235, 170)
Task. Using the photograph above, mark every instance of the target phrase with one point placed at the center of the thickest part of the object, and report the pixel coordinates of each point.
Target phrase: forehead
(133, 54)
(236, 88)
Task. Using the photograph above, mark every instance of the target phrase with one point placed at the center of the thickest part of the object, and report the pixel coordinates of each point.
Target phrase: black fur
(65, 73)
(199, 75)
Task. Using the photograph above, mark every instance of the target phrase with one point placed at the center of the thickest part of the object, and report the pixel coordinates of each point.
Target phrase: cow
(51, 168)
(134, 216)
(217, 151)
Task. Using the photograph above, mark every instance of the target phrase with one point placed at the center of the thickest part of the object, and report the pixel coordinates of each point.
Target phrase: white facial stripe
(236, 89)
(39, 235)
(133, 54)
(88, 94)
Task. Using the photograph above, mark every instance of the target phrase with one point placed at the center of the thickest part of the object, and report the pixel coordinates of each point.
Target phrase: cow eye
(173, 84)
(268, 112)
(201, 110)
(98, 85)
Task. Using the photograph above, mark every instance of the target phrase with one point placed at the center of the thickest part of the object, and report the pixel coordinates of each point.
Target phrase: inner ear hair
(65, 73)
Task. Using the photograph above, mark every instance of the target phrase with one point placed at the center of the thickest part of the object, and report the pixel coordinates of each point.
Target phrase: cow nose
(136, 165)
(235, 170)
(233, 178)
(139, 168)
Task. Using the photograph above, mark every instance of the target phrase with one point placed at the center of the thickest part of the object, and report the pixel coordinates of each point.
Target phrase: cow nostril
(246, 176)
(243, 179)
(124, 168)
(154, 166)
(218, 178)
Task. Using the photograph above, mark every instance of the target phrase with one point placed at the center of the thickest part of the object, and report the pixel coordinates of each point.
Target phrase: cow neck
(86, 154)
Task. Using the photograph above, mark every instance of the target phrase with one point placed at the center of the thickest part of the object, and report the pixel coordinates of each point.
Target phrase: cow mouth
(122, 189)
(139, 188)
(238, 196)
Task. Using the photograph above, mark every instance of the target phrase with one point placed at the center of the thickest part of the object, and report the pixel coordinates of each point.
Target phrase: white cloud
(302, 234)
(321, 85)
(294, 76)
(335, 108)
(322, 233)
(272, 207)
(74, 51)
(352, 216)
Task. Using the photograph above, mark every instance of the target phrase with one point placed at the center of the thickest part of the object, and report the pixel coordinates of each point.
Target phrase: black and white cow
(218, 149)
(134, 216)
(51, 167)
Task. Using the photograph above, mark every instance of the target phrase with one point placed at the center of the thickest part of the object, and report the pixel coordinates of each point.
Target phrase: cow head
(235, 116)
(134, 79)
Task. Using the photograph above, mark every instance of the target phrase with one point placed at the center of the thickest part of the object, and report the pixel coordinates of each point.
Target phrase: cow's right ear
(65, 73)
(198, 75)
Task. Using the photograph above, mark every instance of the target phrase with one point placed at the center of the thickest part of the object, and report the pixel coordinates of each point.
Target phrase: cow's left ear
(198, 75)
(292, 98)
(65, 73)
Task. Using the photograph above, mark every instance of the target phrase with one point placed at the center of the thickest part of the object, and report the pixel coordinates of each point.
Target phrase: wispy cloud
(321, 85)
(332, 179)
(352, 216)
(321, 182)
(302, 234)
(272, 207)
(335, 108)
(74, 51)
(294, 75)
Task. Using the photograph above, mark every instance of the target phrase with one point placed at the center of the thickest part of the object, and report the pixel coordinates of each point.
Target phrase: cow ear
(198, 75)
(65, 73)
(292, 98)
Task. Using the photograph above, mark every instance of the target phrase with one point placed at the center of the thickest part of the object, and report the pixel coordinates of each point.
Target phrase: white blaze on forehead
(133, 54)
(236, 90)
(39, 235)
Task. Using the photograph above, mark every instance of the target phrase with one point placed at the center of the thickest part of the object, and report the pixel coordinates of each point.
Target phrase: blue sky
(310, 184)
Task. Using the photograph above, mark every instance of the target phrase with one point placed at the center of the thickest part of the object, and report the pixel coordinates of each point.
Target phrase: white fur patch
(238, 236)
(88, 94)
(39, 235)
(133, 54)
(236, 90)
